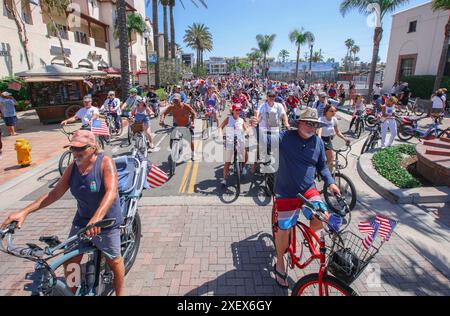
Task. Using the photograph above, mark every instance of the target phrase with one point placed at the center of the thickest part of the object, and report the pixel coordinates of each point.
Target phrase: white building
(88, 43)
(216, 66)
(415, 45)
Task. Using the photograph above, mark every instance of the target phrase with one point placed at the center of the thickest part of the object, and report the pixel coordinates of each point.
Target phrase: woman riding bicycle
(329, 131)
(141, 113)
(112, 106)
(359, 107)
(92, 180)
(212, 101)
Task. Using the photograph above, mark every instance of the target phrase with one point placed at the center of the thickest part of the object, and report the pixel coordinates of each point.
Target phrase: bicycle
(176, 147)
(411, 107)
(237, 165)
(360, 125)
(111, 123)
(209, 118)
(410, 129)
(136, 133)
(67, 157)
(373, 139)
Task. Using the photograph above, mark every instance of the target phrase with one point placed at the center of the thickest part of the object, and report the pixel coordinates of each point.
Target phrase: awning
(42, 79)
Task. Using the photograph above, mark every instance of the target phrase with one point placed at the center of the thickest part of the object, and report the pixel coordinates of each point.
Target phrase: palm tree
(11, 7)
(317, 57)
(199, 37)
(156, 41)
(121, 23)
(300, 38)
(51, 8)
(165, 4)
(354, 50)
(283, 55)
(445, 6)
(349, 43)
(265, 43)
(364, 6)
(135, 24)
(254, 57)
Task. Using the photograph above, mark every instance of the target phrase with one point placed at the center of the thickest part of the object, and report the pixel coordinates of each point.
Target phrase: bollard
(23, 149)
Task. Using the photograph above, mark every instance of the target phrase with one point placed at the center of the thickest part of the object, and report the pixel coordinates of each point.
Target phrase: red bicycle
(346, 260)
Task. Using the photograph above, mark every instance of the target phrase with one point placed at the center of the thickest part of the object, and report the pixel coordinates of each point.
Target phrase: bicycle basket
(137, 128)
(348, 260)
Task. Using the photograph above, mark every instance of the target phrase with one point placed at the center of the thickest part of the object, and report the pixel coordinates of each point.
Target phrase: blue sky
(234, 25)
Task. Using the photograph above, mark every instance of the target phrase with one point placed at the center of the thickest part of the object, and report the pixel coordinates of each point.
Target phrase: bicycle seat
(51, 241)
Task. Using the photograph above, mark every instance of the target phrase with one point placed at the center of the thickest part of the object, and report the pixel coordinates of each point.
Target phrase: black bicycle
(238, 166)
(111, 123)
(360, 125)
(373, 139)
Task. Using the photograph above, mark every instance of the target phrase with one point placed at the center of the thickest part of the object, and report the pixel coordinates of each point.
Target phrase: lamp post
(146, 37)
(311, 45)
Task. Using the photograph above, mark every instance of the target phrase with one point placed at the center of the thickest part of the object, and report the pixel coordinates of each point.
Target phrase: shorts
(288, 209)
(328, 141)
(229, 151)
(10, 121)
(191, 130)
(108, 242)
(437, 111)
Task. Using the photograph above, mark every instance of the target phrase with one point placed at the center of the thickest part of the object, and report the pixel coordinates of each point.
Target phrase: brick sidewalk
(46, 142)
(225, 250)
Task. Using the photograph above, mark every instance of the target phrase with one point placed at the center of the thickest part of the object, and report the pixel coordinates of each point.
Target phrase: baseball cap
(133, 90)
(87, 98)
(6, 94)
(236, 107)
(322, 95)
(82, 138)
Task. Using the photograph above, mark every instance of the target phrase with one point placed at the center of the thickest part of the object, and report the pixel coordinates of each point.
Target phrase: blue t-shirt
(183, 97)
(299, 160)
(7, 106)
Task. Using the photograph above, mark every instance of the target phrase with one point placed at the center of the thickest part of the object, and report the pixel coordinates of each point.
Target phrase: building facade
(87, 35)
(216, 66)
(415, 46)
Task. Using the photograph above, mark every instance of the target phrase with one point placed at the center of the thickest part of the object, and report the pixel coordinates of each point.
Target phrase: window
(26, 12)
(62, 29)
(412, 27)
(81, 37)
(5, 10)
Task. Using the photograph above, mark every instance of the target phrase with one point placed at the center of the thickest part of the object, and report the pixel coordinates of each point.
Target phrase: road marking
(193, 178)
(184, 180)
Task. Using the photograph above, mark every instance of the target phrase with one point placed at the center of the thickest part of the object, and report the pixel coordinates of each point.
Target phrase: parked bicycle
(410, 129)
(373, 139)
(411, 107)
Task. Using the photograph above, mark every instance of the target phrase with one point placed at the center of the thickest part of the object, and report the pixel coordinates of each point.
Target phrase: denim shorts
(10, 121)
(108, 242)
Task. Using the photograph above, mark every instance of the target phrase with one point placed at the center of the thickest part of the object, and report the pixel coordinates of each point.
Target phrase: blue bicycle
(410, 129)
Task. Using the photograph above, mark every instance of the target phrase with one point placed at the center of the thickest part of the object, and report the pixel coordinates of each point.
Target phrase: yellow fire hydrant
(23, 149)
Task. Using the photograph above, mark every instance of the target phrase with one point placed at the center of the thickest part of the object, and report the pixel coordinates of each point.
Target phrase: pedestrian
(438, 107)
(352, 93)
(388, 122)
(8, 112)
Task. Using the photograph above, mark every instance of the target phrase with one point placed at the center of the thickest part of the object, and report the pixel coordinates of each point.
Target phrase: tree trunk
(131, 62)
(166, 34)
(443, 60)
(21, 31)
(172, 32)
(298, 60)
(156, 42)
(376, 47)
(265, 66)
(123, 46)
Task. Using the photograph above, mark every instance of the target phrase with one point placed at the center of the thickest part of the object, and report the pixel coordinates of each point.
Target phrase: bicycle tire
(443, 133)
(129, 135)
(371, 121)
(237, 172)
(366, 147)
(360, 128)
(349, 184)
(406, 132)
(329, 280)
(137, 228)
(269, 181)
(418, 111)
(62, 165)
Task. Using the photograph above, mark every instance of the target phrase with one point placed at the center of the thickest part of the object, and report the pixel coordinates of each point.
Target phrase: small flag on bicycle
(387, 226)
(156, 178)
(99, 128)
(370, 228)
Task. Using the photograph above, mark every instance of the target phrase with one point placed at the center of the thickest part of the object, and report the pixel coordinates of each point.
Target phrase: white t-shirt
(270, 116)
(377, 91)
(329, 128)
(85, 115)
(438, 102)
(112, 106)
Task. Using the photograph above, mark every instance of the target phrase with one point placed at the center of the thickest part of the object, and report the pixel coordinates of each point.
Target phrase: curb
(392, 193)
(12, 183)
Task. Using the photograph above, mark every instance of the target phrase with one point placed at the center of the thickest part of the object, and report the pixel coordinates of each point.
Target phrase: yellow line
(184, 180)
(193, 178)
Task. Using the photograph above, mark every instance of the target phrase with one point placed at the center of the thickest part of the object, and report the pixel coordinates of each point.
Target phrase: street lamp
(311, 45)
(146, 37)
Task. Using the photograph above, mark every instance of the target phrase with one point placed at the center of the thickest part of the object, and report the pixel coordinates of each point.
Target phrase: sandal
(280, 275)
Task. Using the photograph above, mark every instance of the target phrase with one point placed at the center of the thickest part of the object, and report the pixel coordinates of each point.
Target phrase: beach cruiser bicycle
(177, 142)
(237, 165)
(410, 129)
(137, 136)
(373, 140)
(209, 121)
(341, 262)
(111, 123)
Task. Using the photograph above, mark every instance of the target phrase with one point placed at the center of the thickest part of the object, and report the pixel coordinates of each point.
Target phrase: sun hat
(309, 115)
(6, 94)
(82, 138)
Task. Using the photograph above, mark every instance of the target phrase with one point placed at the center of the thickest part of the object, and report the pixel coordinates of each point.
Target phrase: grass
(387, 163)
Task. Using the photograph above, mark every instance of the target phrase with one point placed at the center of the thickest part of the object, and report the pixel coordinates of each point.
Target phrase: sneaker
(223, 183)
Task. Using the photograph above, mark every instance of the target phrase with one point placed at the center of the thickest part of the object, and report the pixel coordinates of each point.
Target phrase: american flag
(99, 128)
(370, 228)
(387, 226)
(156, 178)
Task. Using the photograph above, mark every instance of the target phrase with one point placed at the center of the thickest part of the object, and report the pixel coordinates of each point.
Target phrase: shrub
(22, 94)
(422, 86)
(162, 95)
(387, 164)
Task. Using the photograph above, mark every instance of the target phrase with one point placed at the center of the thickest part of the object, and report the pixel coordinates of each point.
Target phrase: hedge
(387, 164)
(422, 86)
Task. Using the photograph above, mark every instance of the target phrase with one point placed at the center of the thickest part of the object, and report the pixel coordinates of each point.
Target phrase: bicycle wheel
(348, 191)
(371, 121)
(406, 132)
(357, 124)
(331, 286)
(237, 172)
(366, 145)
(360, 128)
(131, 242)
(418, 111)
(443, 133)
(60, 289)
(269, 181)
(65, 160)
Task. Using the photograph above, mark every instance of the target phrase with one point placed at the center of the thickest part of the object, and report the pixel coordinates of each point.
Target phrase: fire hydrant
(23, 149)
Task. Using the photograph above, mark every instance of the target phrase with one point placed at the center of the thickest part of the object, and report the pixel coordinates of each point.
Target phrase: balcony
(100, 43)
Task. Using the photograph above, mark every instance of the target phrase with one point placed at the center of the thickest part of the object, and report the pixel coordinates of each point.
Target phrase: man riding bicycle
(183, 116)
(112, 106)
(92, 180)
(87, 114)
(302, 154)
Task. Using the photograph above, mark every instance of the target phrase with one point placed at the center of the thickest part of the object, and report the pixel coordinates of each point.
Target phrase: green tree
(265, 44)
(366, 7)
(199, 37)
(52, 9)
(355, 50)
(349, 43)
(121, 23)
(443, 5)
(254, 57)
(300, 38)
(317, 57)
(283, 55)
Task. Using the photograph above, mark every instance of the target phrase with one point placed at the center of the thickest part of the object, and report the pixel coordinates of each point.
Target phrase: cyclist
(177, 90)
(438, 107)
(240, 98)
(329, 130)
(92, 180)
(112, 106)
(302, 154)
(223, 92)
(141, 113)
(234, 125)
(183, 116)
(359, 108)
(388, 122)
(320, 104)
(292, 102)
(152, 98)
(129, 103)
(211, 104)
(86, 114)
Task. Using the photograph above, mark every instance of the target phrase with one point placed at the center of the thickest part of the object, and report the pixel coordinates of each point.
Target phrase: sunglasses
(79, 149)
(312, 124)
(271, 96)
